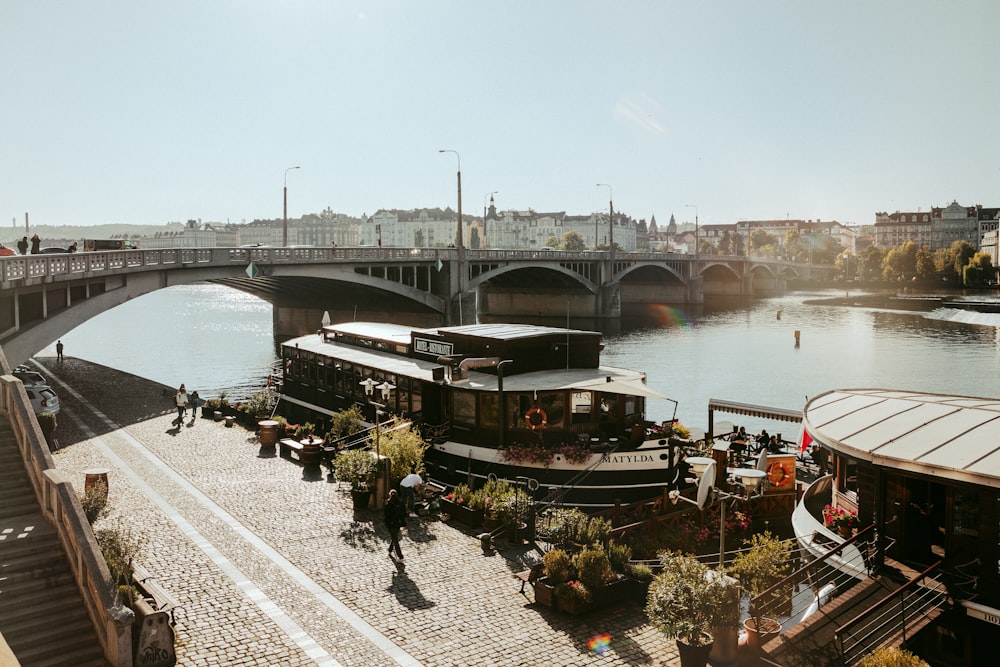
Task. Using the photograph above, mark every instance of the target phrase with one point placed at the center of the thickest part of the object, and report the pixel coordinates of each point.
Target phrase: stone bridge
(44, 296)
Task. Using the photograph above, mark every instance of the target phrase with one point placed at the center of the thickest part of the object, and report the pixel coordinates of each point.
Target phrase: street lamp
(748, 479)
(284, 227)
(695, 207)
(490, 195)
(847, 266)
(611, 222)
(458, 236)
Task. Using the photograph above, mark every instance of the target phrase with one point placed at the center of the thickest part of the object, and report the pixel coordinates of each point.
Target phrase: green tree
(870, 263)
(726, 243)
(474, 238)
(552, 242)
(978, 271)
(900, 262)
(925, 263)
(573, 242)
(761, 240)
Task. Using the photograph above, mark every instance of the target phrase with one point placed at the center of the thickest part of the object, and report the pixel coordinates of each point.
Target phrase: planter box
(544, 592)
(572, 605)
(461, 513)
(613, 593)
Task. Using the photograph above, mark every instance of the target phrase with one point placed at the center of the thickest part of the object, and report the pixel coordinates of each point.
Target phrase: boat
(522, 402)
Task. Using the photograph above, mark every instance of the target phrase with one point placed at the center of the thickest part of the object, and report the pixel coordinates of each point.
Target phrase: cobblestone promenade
(272, 566)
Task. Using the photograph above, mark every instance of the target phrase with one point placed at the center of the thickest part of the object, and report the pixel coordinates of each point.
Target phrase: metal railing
(886, 622)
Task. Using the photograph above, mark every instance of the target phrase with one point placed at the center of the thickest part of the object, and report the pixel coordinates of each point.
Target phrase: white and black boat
(517, 401)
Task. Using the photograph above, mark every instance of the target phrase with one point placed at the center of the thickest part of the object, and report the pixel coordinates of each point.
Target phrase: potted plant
(357, 467)
(556, 563)
(685, 602)
(573, 597)
(892, 656)
(765, 563)
(846, 523)
(595, 570)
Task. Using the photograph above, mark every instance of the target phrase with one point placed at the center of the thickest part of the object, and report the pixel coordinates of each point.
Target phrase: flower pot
(694, 655)
(845, 531)
(361, 498)
(727, 641)
(757, 637)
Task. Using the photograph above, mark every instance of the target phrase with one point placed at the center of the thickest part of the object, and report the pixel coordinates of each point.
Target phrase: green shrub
(557, 565)
(47, 422)
(619, 555)
(686, 601)
(95, 501)
(120, 548)
(593, 567)
(404, 447)
(346, 422)
(260, 404)
(640, 571)
(891, 656)
(357, 467)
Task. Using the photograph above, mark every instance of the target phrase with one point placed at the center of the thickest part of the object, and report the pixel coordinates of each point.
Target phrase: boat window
(633, 406)
(582, 405)
(554, 405)
(416, 402)
(489, 410)
(965, 513)
(847, 476)
(344, 376)
(403, 395)
(463, 408)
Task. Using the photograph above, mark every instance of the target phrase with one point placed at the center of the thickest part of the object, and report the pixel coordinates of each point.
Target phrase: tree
(726, 243)
(978, 271)
(418, 238)
(474, 238)
(759, 240)
(870, 263)
(900, 262)
(925, 263)
(552, 242)
(573, 242)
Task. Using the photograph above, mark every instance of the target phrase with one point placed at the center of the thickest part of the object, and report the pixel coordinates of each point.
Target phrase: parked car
(43, 399)
(30, 378)
(53, 250)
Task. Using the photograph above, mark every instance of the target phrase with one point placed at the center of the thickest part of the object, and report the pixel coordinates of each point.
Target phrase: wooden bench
(536, 572)
(162, 599)
(288, 445)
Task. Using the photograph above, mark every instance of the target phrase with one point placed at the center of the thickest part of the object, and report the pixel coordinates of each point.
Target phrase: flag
(252, 270)
(804, 440)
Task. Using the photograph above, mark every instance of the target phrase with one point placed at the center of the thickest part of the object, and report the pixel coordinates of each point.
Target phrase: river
(215, 339)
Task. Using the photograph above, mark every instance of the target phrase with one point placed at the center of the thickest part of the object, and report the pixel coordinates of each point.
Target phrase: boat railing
(894, 618)
(557, 495)
(824, 576)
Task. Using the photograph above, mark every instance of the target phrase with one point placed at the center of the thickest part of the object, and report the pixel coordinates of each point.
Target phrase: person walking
(410, 485)
(22, 245)
(395, 518)
(59, 351)
(182, 400)
(194, 401)
(36, 244)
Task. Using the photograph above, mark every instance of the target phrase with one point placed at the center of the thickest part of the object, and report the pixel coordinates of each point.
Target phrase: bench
(288, 445)
(162, 599)
(536, 572)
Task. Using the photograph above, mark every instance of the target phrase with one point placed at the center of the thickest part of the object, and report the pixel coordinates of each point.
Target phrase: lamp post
(611, 222)
(490, 195)
(695, 207)
(458, 235)
(847, 266)
(284, 227)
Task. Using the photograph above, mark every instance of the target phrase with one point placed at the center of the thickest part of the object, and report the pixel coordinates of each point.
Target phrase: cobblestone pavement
(272, 566)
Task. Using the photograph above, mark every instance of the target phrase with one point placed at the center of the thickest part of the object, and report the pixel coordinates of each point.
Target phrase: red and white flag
(804, 440)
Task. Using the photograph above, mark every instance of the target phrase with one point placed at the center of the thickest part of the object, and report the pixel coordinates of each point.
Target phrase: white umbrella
(326, 318)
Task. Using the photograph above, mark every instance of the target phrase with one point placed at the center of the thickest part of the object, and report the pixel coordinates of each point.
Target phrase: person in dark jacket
(36, 244)
(395, 518)
(22, 245)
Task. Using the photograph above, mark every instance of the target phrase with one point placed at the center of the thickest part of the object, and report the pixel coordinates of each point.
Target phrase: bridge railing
(61, 507)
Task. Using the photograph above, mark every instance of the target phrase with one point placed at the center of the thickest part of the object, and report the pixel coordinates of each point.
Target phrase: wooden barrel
(96, 477)
(268, 432)
(311, 450)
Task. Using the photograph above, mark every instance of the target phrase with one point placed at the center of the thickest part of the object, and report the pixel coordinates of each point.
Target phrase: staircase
(42, 615)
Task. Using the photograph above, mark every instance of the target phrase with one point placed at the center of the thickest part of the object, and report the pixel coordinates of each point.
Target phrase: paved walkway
(272, 566)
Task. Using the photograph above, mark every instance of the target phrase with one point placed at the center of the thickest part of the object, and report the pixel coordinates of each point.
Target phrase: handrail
(811, 565)
(61, 506)
(880, 626)
(912, 583)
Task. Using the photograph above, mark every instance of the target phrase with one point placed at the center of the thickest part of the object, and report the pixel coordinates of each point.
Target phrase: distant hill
(54, 234)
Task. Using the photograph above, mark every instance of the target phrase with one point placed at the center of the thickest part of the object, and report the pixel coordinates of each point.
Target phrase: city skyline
(130, 114)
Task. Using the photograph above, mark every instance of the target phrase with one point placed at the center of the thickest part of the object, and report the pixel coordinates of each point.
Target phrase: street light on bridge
(458, 235)
(611, 221)
(695, 207)
(284, 227)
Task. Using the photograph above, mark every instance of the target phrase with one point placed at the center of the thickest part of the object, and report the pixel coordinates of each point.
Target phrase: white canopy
(956, 437)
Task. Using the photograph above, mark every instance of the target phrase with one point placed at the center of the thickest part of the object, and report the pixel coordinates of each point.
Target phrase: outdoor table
(268, 432)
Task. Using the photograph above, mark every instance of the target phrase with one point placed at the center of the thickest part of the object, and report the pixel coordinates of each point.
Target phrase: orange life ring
(536, 419)
(778, 475)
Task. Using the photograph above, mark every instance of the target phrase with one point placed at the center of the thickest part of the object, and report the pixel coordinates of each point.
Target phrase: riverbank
(272, 566)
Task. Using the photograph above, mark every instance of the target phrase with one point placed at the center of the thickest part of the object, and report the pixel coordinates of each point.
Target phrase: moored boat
(511, 400)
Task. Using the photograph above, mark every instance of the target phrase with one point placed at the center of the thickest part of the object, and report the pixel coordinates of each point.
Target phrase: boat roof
(956, 437)
(607, 379)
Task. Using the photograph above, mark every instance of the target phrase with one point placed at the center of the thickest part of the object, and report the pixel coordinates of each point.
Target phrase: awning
(621, 387)
(751, 410)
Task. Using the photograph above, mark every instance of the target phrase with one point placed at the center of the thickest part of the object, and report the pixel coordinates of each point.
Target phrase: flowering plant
(838, 517)
(541, 453)
(460, 495)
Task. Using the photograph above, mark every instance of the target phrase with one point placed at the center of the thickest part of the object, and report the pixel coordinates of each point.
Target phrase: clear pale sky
(117, 111)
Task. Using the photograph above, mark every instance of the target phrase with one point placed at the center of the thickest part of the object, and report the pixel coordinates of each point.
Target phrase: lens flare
(599, 644)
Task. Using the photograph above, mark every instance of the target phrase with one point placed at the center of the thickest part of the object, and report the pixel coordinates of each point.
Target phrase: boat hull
(603, 480)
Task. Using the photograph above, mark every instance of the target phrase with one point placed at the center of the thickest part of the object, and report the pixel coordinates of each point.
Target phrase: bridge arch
(507, 269)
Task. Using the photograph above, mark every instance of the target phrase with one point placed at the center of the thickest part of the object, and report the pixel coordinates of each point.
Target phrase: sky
(116, 111)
